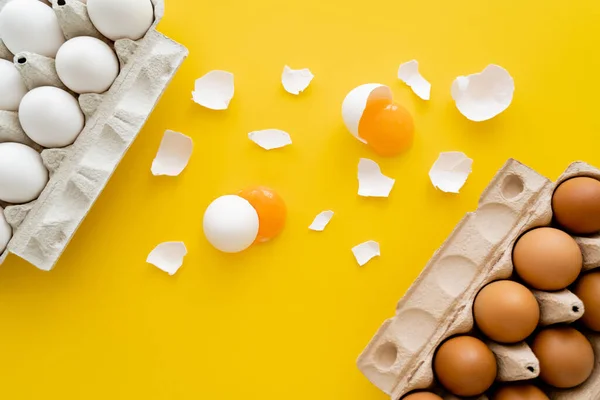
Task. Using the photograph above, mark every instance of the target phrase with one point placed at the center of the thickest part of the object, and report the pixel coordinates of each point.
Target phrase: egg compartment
(78, 173)
(438, 305)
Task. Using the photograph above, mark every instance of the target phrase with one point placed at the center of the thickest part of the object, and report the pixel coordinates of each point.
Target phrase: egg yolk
(270, 208)
(385, 125)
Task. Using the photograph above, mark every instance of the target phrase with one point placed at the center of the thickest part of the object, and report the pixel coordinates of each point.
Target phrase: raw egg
(521, 391)
(576, 205)
(271, 211)
(566, 356)
(51, 116)
(22, 173)
(5, 231)
(29, 25)
(12, 86)
(547, 259)
(233, 223)
(422, 396)
(465, 366)
(372, 116)
(588, 290)
(506, 311)
(87, 65)
(121, 19)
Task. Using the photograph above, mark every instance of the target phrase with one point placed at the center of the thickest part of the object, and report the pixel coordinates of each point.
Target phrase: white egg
(231, 224)
(22, 173)
(12, 87)
(51, 117)
(30, 25)
(5, 231)
(121, 19)
(87, 65)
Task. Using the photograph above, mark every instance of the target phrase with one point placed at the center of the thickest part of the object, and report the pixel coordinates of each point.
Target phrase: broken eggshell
(450, 171)
(484, 95)
(366, 251)
(173, 154)
(321, 221)
(295, 81)
(214, 90)
(371, 115)
(409, 74)
(371, 182)
(168, 256)
(270, 139)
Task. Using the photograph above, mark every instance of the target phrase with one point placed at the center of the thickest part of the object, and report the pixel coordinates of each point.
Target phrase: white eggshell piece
(366, 251)
(173, 154)
(5, 231)
(295, 81)
(354, 105)
(482, 96)
(321, 221)
(230, 224)
(12, 87)
(371, 182)
(168, 256)
(30, 25)
(51, 116)
(450, 171)
(214, 90)
(121, 19)
(409, 74)
(22, 173)
(87, 65)
(270, 139)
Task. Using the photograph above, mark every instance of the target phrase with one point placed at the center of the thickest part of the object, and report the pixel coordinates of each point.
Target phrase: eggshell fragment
(409, 74)
(168, 256)
(355, 103)
(366, 251)
(173, 154)
(29, 25)
(214, 90)
(270, 139)
(121, 19)
(12, 87)
(5, 231)
(87, 65)
(296, 81)
(450, 171)
(484, 95)
(321, 221)
(371, 182)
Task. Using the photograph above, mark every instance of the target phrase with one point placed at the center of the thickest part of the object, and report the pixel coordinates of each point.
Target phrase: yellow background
(288, 319)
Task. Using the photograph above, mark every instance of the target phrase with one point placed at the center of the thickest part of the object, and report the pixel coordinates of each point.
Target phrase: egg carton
(78, 173)
(438, 305)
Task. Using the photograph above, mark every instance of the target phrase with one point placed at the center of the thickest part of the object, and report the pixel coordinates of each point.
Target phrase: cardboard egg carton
(78, 173)
(438, 305)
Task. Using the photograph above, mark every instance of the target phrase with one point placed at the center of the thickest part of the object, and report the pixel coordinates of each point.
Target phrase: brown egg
(422, 396)
(588, 290)
(465, 366)
(576, 205)
(547, 259)
(519, 392)
(566, 356)
(506, 311)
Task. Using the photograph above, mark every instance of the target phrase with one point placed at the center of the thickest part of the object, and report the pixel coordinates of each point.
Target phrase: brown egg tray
(438, 305)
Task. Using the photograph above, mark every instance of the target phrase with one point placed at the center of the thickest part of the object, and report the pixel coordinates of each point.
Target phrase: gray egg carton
(78, 173)
(438, 305)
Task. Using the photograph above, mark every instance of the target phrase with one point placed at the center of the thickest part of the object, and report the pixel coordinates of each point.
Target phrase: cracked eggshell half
(231, 224)
(371, 115)
(22, 173)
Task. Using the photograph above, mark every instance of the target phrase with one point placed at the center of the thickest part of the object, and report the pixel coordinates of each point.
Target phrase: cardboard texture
(439, 304)
(78, 173)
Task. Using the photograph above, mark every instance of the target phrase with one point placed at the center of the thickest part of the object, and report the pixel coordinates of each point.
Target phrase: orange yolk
(270, 208)
(385, 125)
